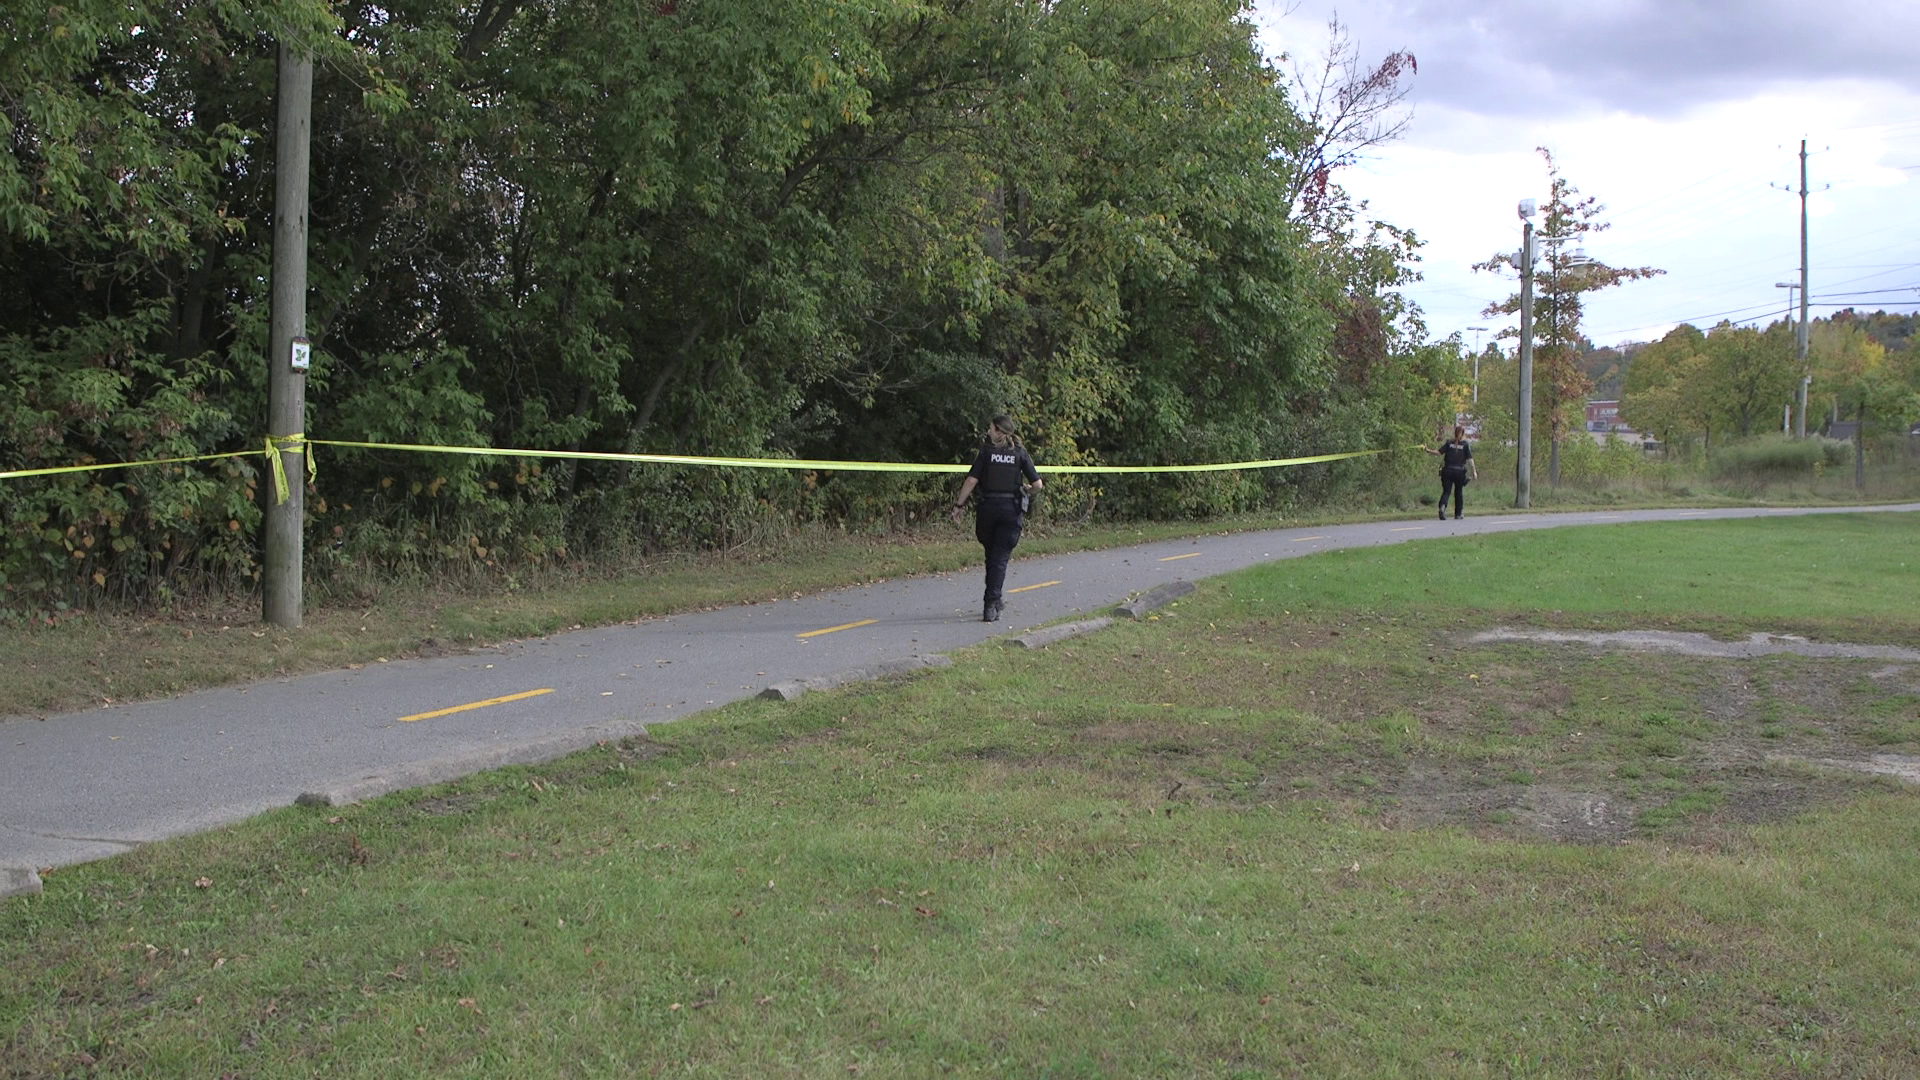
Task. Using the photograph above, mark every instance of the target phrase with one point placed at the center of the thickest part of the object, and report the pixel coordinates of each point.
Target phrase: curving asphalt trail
(90, 785)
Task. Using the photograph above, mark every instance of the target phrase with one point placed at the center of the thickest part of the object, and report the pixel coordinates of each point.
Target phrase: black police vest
(1002, 474)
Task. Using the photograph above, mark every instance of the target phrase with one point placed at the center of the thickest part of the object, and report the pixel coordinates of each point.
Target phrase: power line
(1689, 319)
(1745, 198)
(1695, 320)
(1767, 314)
(1869, 277)
(1913, 122)
(1914, 288)
(1656, 200)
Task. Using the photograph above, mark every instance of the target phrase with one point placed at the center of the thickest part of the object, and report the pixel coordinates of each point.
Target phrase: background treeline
(1712, 403)
(1733, 381)
(747, 227)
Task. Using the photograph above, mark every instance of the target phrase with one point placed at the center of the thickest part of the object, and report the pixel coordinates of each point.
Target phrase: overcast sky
(1676, 115)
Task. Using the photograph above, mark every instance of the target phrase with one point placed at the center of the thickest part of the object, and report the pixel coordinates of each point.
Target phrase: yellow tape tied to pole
(297, 443)
(100, 465)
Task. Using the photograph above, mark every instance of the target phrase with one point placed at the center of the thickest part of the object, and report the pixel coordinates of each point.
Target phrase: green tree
(1853, 371)
(1663, 395)
(764, 227)
(125, 131)
(1748, 376)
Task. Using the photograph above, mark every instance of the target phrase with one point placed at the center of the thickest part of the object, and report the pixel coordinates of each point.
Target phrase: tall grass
(1778, 456)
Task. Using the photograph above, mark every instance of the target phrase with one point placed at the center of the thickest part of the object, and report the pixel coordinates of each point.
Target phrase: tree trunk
(583, 401)
(1860, 449)
(190, 315)
(651, 403)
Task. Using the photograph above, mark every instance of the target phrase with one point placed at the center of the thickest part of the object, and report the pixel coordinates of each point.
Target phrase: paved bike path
(92, 784)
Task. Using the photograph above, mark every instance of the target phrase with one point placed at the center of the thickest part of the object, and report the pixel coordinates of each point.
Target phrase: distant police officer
(1003, 472)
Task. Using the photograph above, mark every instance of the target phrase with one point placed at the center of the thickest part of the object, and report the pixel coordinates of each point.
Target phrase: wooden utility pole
(286, 384)
(1800, 426)
(1523, 461)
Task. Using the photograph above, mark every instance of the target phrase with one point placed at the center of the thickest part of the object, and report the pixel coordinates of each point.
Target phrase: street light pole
(1789, 286)
(1799, 401)
(1476, 362)
(1523, 463)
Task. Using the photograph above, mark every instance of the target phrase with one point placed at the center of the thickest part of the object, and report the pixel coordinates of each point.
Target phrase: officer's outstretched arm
(960, 500)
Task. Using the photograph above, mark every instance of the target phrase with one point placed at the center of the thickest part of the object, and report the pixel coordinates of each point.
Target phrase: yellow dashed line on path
(1408, 528)
(1304, 539)
(1025, 588)
(1189, 555)
(836, 629)
(476, 705)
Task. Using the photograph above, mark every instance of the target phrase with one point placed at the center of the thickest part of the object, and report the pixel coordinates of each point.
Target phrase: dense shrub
(1779, 457)
(1588, 463)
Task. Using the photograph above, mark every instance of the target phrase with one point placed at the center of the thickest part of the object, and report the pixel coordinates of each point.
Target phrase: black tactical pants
(1454, 483)
(996, 524)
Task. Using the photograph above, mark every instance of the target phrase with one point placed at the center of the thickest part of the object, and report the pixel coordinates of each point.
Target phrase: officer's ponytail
(1001, 432)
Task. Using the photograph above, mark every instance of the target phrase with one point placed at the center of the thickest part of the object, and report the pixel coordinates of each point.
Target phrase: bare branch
(1348, 110)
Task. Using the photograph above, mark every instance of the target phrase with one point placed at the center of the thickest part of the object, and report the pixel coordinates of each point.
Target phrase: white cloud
(1677, 118)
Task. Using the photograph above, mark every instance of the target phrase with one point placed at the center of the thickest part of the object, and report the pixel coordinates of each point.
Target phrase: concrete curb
(1157, 597)
(794, 689)
(19, 881)
(1047, 635)
(427, 773)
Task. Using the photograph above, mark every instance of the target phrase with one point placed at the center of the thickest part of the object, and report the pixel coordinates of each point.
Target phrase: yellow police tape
(276, 445)
(832, 466)
(295, 443)
(97, 466)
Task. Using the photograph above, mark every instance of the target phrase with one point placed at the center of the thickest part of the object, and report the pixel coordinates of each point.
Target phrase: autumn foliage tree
(1563, 275)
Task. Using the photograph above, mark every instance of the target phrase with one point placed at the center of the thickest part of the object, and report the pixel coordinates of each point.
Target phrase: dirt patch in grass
(445, 805)
(1700, 742)
(1692, 644)
(1559, 741)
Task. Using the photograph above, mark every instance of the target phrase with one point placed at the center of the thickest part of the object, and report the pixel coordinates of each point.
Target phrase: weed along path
(89, 785)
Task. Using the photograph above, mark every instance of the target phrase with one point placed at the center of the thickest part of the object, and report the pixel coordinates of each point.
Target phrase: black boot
(990, 613)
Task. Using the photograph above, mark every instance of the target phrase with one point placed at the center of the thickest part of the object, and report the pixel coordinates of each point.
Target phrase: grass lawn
(1298, 825)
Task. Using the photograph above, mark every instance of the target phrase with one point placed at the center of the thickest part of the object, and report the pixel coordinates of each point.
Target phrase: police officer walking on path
(1456, 468)
(1004, 473)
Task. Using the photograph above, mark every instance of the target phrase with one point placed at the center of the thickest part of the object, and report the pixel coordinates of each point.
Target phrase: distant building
(1603, 416)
